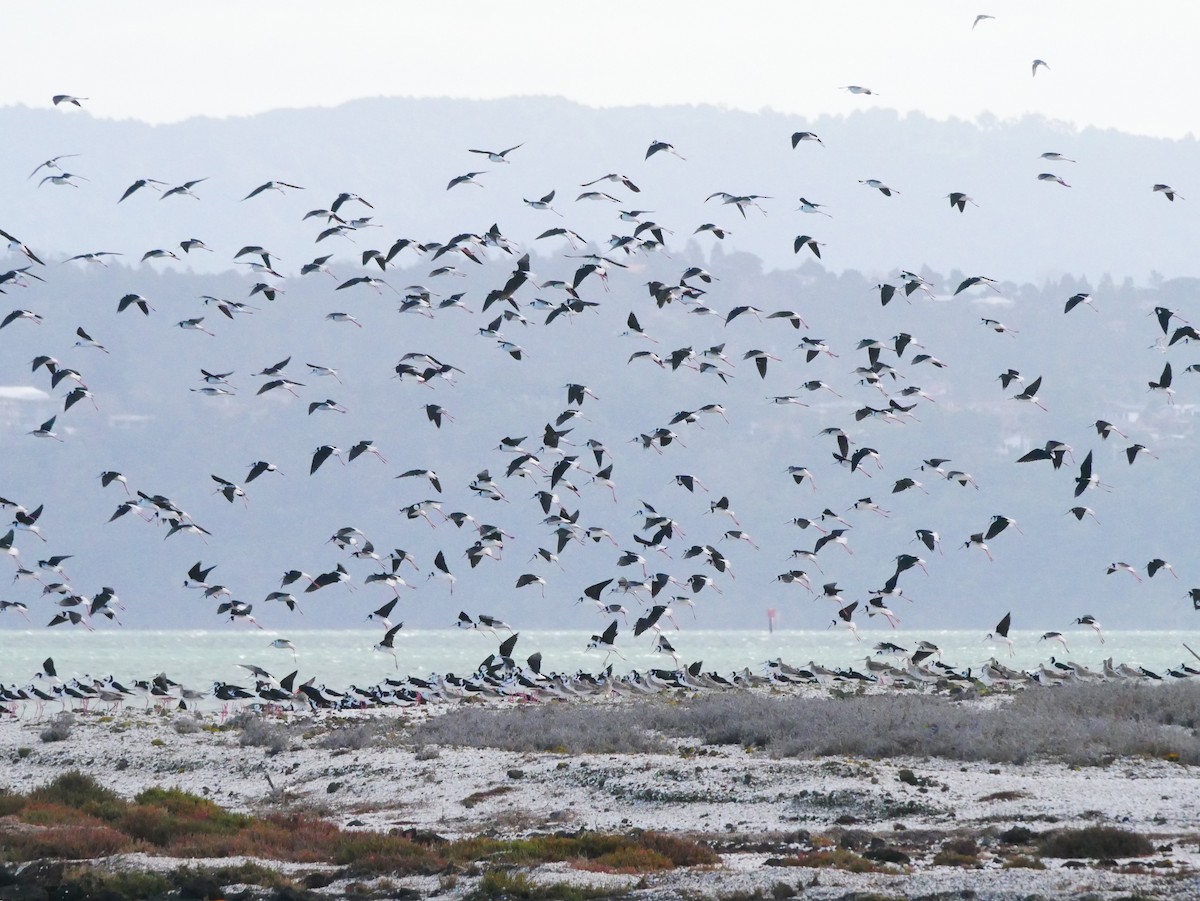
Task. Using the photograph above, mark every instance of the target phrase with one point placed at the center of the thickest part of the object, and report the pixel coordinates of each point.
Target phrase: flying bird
(661, 147)
(1000, 633)
(798, 136)
(183, 190)
(272, 186)
(493, 156)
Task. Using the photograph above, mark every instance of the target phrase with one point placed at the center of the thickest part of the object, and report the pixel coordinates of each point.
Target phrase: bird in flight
(272, 186)
(657, 146)
(494, 156)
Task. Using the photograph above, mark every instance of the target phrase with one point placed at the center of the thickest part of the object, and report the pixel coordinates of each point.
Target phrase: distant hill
(1108, 236)
(401, 153)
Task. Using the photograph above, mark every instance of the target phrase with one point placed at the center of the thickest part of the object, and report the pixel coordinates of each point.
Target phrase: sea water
(339, 658)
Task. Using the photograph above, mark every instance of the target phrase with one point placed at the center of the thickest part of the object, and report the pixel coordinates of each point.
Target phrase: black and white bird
(493, 156)
(1088, 620)
(1000, 633)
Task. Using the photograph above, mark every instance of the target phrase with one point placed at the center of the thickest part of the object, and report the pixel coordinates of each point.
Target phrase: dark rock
(8, 876)
(201, 888)
(44, 873)
(287, 893)
(516, 774)
(887, 854)
(22, 893)
(422, 836)
(1017, 835)
(319, 880)
(782, 890)
(854, 839)
(333, 787)
(78, 891)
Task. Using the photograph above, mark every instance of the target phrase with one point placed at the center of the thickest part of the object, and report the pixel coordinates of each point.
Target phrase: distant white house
(15, 403)
(22, 393)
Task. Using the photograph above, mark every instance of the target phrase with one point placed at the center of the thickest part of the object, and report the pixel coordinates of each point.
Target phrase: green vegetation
(498, 884)
(75, 818)
(836, 858)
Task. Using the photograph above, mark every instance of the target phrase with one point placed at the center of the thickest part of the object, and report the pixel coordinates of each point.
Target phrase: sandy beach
(935, 828)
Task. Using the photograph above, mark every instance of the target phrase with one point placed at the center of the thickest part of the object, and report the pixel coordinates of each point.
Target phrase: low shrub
(1094, 842)
(258, 733)
(502, 884)
(1081, 724)
(71, 842)
(186, 725)
(349, 738)
(59, 728)
(81, 792)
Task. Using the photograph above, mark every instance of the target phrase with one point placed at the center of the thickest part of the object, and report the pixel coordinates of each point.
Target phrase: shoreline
(754, 808)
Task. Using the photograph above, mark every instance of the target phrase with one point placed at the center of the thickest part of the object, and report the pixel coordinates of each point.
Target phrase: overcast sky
(1119, 65)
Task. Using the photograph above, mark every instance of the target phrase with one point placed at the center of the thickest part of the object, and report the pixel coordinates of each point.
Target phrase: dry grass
(1079, 724)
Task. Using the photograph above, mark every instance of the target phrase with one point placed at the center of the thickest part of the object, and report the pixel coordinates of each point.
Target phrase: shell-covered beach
(767, 817)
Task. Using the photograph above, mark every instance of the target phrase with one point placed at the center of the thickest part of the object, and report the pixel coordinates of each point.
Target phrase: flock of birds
(552, 460)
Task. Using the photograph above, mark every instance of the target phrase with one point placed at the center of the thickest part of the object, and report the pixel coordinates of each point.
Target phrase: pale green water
(341, 657)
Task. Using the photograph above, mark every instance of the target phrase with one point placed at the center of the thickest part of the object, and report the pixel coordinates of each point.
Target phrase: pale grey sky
(1111, 64)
